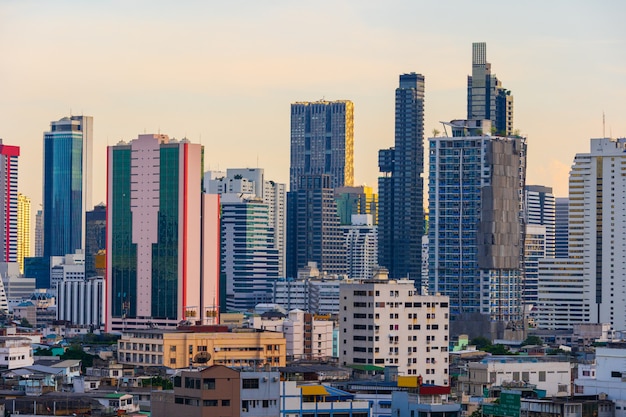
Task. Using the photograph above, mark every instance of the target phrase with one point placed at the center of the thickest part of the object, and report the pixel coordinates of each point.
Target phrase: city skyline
(215, 65)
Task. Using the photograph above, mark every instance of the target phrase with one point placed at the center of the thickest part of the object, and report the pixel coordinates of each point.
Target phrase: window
(542, 376)
(209, 403)
(225, 403)
(208, 383)
(266, 403)
(250, 383)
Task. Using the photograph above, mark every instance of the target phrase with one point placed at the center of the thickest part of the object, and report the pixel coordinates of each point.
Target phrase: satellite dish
(202, 357)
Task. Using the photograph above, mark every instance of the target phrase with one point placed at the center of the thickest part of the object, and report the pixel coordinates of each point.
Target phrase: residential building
(476, 184)
(606, 376)
(39, 234)
(386, 322)
(95, 237)
(162, 252)
(23, 229)
(67, 174)
(535, 243)
(210, 345)
(322, 142)
(15, 352)
(561, 229)
(249, 259)
(313, 230)
(218, 390)
(361, 246)
(245, 182)
(401, 187)
(9, 156)
(81, 301)
(597, 216)
(318, 295)
(549, 373)
(319, 400)
(16, 286)
(486, 98)
(308, 336)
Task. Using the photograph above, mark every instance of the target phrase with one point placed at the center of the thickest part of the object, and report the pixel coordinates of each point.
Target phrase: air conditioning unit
(274, 379)
(217, 349)
(265, 379)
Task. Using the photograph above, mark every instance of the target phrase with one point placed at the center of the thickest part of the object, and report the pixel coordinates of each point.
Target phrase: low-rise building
(205, 345)
(15, 352)
(220, 391)
(549, 373)
(317, 400)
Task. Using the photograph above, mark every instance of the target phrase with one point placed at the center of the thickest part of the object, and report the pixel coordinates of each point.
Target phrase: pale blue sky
(224, 73)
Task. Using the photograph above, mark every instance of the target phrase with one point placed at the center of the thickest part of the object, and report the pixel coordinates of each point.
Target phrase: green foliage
(75, 351)
(157, 381)
(25, 323)
(477, 413)
(532, 340)
(42, 352)
(484, 344)
(480, 342)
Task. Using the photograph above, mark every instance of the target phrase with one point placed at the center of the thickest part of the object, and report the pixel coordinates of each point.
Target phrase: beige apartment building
(180, 348)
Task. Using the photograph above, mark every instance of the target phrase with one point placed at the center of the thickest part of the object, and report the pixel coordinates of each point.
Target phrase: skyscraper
(401, 188)
(162, 235)
(95, 237)
(249, 261)
(588, 286)
(23, 229)
(322, 142)
(541, 210)
(39, 234)
(8, 202)
(313, 231)
(486, 98)
(476, 224)
(67, 184)
(561, 231)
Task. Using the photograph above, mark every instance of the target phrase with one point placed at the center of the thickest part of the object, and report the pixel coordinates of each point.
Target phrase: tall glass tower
(67, 184)
(401, 188)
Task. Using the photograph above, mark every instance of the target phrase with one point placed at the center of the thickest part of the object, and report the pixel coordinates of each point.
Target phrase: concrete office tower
(486, 98)
(162, 235)
(356, 200)
(541, 210)
(95, 237)
(9, 156)
(67, 175)
(476, 226)
(592, 289)
(39, 234)
(361, 246)
(63, 268)
(249, 261)
(23, 229)
(401, 187)
(252, 182)
(322, 142)
(386, 322)
(313, 230)
(561, 231)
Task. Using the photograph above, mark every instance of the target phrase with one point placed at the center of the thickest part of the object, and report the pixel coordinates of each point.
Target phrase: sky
(224, 74)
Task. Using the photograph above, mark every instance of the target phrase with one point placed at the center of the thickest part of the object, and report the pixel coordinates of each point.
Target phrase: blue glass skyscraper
(67, 184)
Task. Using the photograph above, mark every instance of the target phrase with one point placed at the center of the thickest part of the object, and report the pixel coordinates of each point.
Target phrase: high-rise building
(162, 235)
(95, 237)
(252, 182)
(561, 232)
(590, 290)
(322, 142)
(39, 234)
(249, 261)
(535, 248)
(361, 246)
(8, 202)
(401, 188)
(386, 322)
(67, 174)
(486, 98)
(476, 224)
(23, 229)
(313, 230)
(541, 210)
